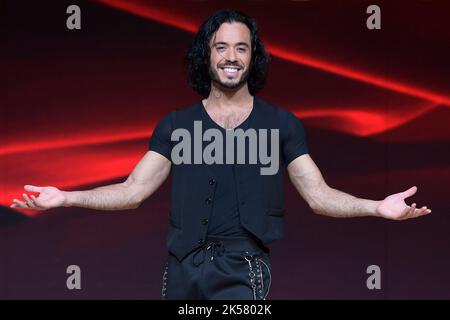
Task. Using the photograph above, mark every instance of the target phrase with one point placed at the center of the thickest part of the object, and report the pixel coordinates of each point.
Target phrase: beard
(228, 84)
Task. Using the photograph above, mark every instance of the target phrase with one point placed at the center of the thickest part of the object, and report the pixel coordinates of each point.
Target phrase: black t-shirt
(225, 215)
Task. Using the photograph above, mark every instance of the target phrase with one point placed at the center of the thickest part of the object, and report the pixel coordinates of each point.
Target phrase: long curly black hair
(197, 59)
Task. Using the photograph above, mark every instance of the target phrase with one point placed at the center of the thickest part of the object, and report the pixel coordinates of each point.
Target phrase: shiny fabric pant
(221, 269)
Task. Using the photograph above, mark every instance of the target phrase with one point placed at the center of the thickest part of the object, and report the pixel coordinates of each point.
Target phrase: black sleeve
(160, 141)
(294, 138)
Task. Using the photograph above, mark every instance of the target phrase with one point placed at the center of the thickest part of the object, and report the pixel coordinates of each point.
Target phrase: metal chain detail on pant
(256, 276)
(164, 282)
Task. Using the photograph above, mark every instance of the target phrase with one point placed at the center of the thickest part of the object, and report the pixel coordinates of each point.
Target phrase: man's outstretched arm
(146, 177)
(324, 200)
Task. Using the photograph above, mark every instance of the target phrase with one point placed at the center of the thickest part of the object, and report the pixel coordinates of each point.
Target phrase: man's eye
(241, 49)
(220, 48)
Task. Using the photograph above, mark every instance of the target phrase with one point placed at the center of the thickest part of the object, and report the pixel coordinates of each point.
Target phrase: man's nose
(231, 55)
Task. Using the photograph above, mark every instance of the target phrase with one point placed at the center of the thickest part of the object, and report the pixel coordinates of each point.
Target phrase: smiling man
(230, 73)
(225, 213)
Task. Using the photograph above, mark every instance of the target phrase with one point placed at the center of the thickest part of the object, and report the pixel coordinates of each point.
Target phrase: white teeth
(230, 70)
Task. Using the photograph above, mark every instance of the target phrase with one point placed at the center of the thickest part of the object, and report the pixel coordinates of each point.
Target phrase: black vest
(260, 197)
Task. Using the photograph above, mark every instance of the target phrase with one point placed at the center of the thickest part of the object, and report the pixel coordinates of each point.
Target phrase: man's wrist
(68, 198)
(372, 206)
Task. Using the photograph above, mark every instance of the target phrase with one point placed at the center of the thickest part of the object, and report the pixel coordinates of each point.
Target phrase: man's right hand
(49, 197)
(146, 177)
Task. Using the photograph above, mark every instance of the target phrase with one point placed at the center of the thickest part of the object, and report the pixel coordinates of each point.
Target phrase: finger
(35, 201)
(411, 211)
(420, 211)
(29, 202)
(417, 212)
(33, 198)
(31, 188)
(409, 192)
(20, 204)
(423, 211)
(404, 212)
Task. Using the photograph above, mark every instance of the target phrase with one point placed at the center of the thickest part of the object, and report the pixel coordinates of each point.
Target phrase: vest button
(205, 221)
(212, 182)
(208, 201)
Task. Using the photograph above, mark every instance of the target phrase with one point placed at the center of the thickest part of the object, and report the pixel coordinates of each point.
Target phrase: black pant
(223, 268)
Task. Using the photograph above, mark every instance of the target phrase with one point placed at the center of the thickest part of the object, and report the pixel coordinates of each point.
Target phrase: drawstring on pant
(215, 247)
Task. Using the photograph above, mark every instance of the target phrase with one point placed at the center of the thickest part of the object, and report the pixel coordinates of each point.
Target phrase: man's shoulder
(272, 108)
(183, 112)
(189, 107)
(187, 110)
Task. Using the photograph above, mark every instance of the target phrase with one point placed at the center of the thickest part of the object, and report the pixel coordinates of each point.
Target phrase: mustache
(230, 65)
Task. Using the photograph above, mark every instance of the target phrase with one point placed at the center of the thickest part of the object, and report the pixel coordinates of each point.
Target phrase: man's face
(230, 55)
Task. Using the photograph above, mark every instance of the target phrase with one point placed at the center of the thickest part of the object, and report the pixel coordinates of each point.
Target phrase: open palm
(394, 206)
(49, 197)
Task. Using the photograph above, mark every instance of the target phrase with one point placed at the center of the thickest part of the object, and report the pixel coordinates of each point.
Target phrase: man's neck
(222, 98)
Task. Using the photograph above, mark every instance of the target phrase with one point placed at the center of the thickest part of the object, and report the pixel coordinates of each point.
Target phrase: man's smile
(230, 71)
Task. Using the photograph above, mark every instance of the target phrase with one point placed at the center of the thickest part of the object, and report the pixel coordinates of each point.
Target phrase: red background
(80, 107)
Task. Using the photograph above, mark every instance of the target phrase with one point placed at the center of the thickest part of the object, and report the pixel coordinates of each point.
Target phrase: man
(227, 203)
